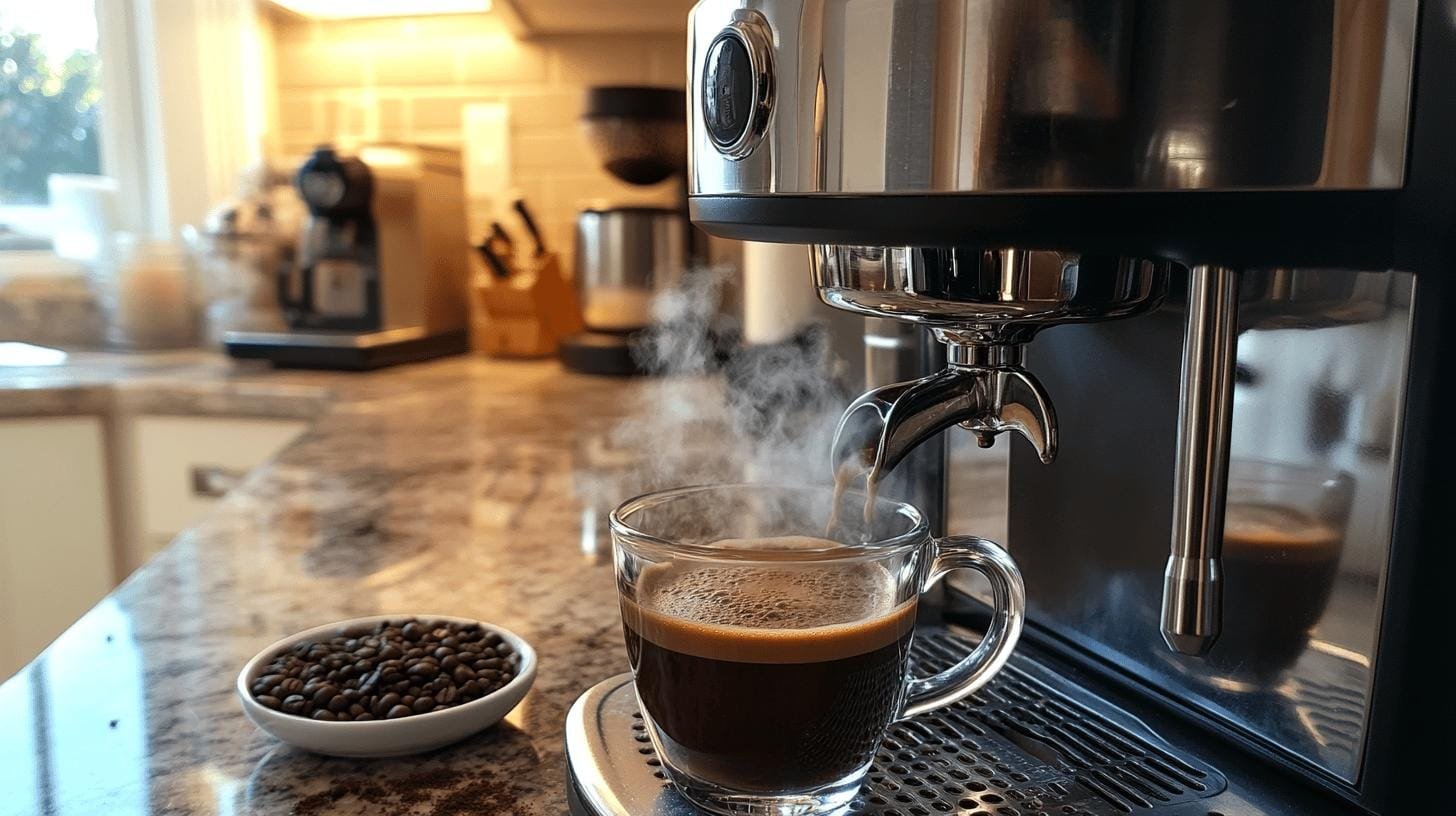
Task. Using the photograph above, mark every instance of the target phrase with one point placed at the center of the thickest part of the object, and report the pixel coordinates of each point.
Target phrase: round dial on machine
(737, 88)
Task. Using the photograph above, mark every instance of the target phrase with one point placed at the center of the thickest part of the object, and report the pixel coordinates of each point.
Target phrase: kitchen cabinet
(84, 500)
(178, 467)
(56, 559)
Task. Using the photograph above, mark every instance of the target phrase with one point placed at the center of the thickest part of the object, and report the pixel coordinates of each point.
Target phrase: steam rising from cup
(721, 411)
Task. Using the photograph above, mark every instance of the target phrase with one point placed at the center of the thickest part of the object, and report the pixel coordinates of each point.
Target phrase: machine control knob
(737, 86)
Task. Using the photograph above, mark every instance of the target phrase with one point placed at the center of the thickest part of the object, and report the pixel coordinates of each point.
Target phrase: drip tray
(1028, 744)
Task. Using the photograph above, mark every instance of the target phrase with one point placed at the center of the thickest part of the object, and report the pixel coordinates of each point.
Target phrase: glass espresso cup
(770, 657)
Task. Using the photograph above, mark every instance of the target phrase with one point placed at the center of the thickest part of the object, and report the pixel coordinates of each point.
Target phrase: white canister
(150, 293)
(83, 215)
(779, 298)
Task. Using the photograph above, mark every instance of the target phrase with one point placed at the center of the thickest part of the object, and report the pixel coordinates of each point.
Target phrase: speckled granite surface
(187, 382)
(464, 487)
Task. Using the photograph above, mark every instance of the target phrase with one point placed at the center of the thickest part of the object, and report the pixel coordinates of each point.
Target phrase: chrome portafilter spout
(985, 305)
(984, 389)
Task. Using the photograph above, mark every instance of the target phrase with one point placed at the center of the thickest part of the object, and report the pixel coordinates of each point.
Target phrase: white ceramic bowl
(382, 738)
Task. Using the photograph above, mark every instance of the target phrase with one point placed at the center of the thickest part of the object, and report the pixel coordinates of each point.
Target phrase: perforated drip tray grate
(1027, 744)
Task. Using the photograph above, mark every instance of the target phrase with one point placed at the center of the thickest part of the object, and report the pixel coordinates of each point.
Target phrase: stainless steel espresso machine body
(1196, 256)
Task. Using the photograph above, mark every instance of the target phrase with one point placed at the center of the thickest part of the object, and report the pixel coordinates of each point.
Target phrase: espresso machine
(379, 276)
(1192, 261)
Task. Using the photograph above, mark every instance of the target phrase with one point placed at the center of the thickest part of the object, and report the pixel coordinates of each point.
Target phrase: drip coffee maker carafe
(1151, 240)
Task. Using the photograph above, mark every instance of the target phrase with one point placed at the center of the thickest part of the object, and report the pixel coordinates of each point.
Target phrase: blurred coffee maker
(382, 264)
(625, 255)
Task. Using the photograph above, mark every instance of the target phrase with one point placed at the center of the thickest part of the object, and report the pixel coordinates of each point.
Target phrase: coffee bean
(394, 669)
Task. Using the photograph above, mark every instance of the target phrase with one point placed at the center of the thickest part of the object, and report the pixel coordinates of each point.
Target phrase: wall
(409, 78)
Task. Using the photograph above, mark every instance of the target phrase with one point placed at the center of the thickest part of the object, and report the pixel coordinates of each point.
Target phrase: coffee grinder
(1195, 258)
(625, 255)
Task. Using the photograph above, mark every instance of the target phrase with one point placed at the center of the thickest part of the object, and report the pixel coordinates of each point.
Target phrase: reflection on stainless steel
(1192, 581)
(883, 96)
(990, 297)
(1092, 567)
(1309, 298)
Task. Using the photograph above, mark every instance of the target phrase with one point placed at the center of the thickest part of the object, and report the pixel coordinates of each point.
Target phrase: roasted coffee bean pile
(400, 668)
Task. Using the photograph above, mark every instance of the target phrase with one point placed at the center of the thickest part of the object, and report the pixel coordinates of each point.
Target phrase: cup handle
(988, 558)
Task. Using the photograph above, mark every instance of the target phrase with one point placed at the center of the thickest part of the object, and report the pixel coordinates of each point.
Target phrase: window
(50, 105)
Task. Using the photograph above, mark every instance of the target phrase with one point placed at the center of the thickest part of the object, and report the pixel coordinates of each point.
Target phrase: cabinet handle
(213, 481)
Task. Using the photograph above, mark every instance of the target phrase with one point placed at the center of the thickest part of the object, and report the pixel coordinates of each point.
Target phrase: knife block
(526, 313)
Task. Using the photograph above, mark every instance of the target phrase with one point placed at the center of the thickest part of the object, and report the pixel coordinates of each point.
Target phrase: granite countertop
(464, 487)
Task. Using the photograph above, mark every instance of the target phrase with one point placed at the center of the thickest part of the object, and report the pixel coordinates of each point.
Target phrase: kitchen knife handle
(525, 214)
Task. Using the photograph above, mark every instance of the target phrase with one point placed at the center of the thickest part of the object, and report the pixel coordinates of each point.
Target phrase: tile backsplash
(410, 79)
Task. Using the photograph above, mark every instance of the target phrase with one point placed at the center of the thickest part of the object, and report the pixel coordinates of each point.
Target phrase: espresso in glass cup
(771, 656)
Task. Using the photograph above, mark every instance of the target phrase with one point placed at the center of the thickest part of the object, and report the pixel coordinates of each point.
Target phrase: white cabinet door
(56, 559)
(181, 466)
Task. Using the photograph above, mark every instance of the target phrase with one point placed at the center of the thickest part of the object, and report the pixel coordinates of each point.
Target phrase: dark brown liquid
(1279, 569)
(770, 706)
